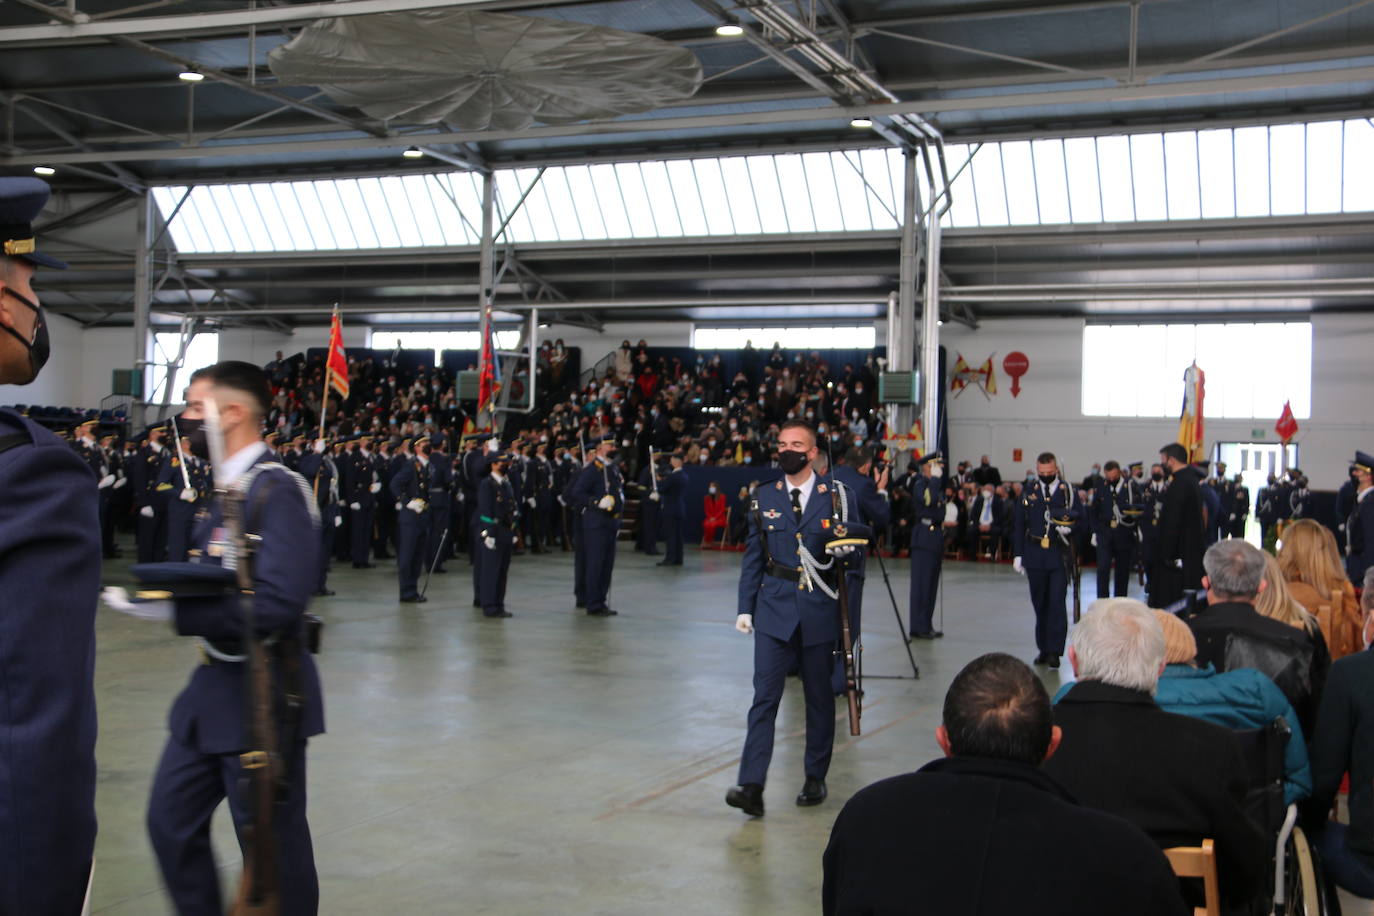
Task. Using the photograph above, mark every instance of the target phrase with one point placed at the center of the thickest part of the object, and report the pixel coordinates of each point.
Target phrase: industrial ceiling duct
(480, 71)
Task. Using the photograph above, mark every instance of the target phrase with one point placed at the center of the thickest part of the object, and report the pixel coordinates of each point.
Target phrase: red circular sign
(1015, 364)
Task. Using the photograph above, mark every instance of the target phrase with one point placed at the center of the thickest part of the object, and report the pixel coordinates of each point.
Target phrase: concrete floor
(552, 762)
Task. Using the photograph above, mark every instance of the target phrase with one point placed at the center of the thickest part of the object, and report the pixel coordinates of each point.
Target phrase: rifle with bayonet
(847, 651)
(1069, 555)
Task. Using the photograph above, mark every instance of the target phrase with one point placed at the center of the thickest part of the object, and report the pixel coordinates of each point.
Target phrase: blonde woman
(1316, 578)
(1275, 601)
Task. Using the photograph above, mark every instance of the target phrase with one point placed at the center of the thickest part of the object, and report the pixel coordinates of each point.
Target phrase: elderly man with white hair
(1178, 778)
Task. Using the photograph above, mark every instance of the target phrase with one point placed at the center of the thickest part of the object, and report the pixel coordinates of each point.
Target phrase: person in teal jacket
(1243, 698)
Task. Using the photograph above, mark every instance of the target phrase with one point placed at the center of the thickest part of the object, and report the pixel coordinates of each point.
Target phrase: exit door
(1255, 461)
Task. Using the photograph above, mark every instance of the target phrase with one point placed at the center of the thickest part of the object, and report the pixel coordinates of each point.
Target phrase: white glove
(120, 482)
(1016, 565)
(606, 502)
(375, 488)
(459, 496)
(1178, 564)
(319, 446)
(117, 599)
(1093, 540)
(416, 505)
(562, 501)
(745, 623)
(843, 550)
(105, 481)
(1233, 516)
(188, 495)
(338, 521)
(653, 496)
(530, 502)
(1063, 529)
(490, 542)
(147, 512)
(355, 506)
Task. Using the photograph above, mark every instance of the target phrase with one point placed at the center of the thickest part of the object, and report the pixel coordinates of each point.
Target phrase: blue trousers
(1051, 619)
(180, 514)
(925, 586)
(1114, 567)
(438, 528)
(648, 526)
(152, 536)
(360, 534)
(412, 534)
(493, 565)
(1343, 866)
(856, 608)
(186, 791)
(328, 528)
(672, 539)
(597, 546)
(579, 563)
(772, 657)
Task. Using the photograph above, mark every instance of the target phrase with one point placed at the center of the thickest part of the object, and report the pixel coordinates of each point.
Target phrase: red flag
(336, 366)
(1287, 427)
(486, 378)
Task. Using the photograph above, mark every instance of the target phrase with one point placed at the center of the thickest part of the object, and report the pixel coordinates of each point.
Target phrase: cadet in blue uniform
(540, 501)
(1117, 507)
(440, 503)
(320, 471)
(1042, 524)
(597, 498)
(787, 600)
(200, 764)
(410, 486)
(870, 497)
(1359, 528)
(188, 495)
(496, 515)
(927, 544)
(672, 491)
(361, 484)
(49, 582)
(150, 497)
(646, 540)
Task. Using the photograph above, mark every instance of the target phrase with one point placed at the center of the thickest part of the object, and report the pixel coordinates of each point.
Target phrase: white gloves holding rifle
(416, 505)
(745, 623)
(606, 502)
(188, 495)
(654, 496)
(1016, 565)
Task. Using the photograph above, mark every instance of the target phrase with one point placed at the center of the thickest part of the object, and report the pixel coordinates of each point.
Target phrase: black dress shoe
(498, 615)
(603, 612)
(813, 792)
(1040, 659)
(417, 599)
(1053, 661)
(933, 634)
(325, 592)
(748, 798)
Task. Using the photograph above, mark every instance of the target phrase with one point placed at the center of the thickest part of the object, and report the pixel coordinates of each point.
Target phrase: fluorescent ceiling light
(729, 31)
(44, 170)
(861, 123)
(190, 76)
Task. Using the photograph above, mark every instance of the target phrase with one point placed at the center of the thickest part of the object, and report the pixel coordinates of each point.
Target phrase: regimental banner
(1191, 425)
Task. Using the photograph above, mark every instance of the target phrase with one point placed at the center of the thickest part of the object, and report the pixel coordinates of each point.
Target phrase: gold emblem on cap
(20, 246)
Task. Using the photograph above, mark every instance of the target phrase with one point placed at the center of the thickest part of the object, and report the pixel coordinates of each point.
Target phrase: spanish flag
(1191, 433)
(336, 366)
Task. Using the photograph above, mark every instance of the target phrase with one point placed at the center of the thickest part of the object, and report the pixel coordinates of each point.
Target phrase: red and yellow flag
(1287, 427)
(336, 366)
(1191, 426)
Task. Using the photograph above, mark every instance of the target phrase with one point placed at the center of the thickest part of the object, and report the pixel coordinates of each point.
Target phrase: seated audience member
(984, 518)
(1232, 633)
(1312, 566)
(1238, 699)
(1180, 779)
(715, 514)
(1344, 743)
(984, 830)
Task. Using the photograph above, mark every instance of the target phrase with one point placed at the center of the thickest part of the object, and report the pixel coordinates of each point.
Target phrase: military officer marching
(596, 497)
(496, 518)
(1042, 540)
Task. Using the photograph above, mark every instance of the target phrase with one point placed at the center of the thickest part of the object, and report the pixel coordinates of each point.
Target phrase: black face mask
(613, 455)
(792, 462)
(196, 432)
(1047, 479)
(39, 348)
(1157, 476)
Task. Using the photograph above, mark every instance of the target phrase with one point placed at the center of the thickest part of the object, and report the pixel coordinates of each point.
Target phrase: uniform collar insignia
(820, 488)
(779, 485)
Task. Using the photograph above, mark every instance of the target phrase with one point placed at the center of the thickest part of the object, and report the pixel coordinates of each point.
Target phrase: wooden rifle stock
(851, 677)
(258, 884)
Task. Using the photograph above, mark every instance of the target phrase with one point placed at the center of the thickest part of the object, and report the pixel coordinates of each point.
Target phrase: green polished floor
(552, 763)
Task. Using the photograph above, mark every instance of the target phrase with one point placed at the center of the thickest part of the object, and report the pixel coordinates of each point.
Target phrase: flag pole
(324, 395)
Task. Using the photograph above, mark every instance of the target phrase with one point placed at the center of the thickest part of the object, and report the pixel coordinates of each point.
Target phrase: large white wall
(1047, 415)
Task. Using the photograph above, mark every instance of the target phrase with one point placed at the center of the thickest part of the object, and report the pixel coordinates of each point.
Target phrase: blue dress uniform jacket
(49, 582)
(794, 627)
(321, 474)
(208, 723)
(1359, 533)
(440, 507)
(359, 474)
(649, 511)
(149, 493)
(597, 528)
(1040, 547)
(927, 552)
